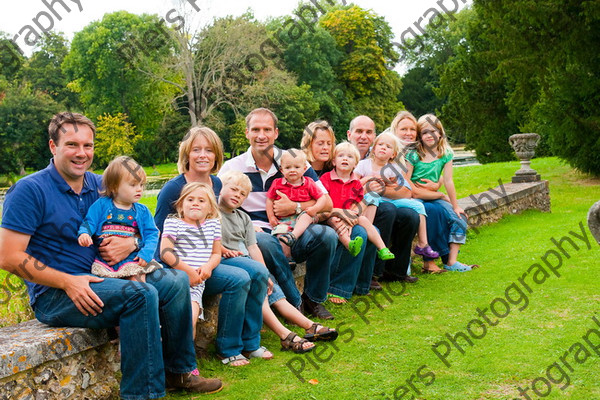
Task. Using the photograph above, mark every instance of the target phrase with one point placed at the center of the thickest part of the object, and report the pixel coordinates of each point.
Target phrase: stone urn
(594, 221)
(524, 145)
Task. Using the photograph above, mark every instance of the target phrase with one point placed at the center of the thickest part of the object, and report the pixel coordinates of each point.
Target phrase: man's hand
(350, 217)
(375, 185)
(115, 249)
(85, 240)
(77, 287)
(284, 206)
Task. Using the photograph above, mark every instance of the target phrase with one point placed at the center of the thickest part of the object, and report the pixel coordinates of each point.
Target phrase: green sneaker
(385, 254)
(355, 246)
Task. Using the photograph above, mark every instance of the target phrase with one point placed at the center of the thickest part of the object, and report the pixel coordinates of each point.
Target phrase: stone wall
(509, 198)
(40, 362)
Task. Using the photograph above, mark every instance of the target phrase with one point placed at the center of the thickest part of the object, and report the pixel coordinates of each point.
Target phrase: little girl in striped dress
(191, 240)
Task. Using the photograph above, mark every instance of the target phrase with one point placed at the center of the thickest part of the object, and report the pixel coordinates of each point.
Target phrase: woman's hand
(459, 211)
(429, 185)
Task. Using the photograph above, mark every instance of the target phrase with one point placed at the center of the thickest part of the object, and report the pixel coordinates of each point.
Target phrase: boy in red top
(297, 188)
(346, 192)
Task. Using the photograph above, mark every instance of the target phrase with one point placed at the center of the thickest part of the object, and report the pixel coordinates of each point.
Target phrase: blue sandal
(458, 267)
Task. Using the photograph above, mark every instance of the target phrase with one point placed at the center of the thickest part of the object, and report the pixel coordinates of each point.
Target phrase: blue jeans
(317, 247)
(242, 283)
(146, 313)
(443, 227)
(353, 274)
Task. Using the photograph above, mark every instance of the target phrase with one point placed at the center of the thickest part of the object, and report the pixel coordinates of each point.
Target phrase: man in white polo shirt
(316, 246)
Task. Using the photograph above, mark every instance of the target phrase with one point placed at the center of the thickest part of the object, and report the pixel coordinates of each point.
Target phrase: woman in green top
(431, 161)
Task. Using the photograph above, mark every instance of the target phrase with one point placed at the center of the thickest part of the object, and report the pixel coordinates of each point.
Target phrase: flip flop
(258, 353)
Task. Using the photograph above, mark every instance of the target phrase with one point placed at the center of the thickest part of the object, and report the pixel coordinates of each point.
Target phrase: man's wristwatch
(298, 208)
(136, 241)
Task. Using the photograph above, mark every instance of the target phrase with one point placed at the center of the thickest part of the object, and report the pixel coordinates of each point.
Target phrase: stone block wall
(509, 198)
(40, 362)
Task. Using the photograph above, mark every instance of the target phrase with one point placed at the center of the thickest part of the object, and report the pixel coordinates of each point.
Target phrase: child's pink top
(343, 194)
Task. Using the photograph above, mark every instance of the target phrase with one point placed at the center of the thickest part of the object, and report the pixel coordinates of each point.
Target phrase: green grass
(373, 360)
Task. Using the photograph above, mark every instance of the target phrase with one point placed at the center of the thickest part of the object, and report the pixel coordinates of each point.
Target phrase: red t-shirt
(343, 194)
(308, 190)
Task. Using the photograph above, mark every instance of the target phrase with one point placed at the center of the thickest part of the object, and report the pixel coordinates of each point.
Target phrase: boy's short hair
(237, 178)
(122, 167)
(293, 153)
(349, 147)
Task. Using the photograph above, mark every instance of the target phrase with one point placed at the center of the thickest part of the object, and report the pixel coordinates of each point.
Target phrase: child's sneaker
(426, 251)
(355, 246)
(385, 254)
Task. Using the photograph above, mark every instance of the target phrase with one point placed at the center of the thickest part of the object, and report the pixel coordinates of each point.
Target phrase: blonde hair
(396, 146)
(238, 178)
(185, 148)
(118, 169)
(442, 146)
(293, 153)
(399, 117)
(191, 187)
(349, 147)
(309, 136)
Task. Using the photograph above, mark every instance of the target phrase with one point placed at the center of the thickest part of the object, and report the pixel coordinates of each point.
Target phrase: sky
(17, 14)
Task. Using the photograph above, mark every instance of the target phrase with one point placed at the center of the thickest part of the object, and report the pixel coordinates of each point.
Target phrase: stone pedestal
(594, 221)
(524, 145)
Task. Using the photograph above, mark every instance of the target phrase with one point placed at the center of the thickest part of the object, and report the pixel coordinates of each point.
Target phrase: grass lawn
(385, 349)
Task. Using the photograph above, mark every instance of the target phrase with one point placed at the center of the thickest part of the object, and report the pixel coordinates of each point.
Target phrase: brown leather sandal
(297, 347)
(324, 334)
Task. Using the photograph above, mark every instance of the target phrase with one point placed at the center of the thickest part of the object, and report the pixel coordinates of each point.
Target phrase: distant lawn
(381, 348)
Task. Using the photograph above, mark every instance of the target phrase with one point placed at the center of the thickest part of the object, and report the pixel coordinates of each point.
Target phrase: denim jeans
(240, 313)
(443, 227)
(146, 313)
(279, 266)
(353, 274)
(317, 247)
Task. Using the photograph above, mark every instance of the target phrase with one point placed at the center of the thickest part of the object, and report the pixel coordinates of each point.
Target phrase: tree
(365, 39)
(43, 70)
(548, 54)
(418, 94)
(11, 59)
(24, 118)
(102, 67)
(115, 136)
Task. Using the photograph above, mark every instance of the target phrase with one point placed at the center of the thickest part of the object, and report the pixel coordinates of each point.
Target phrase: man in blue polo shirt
(316, 245)
(38, 242)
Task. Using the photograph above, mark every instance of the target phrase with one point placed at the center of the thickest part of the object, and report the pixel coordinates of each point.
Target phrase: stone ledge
(508, 198)
(41, 362)
(32, 343)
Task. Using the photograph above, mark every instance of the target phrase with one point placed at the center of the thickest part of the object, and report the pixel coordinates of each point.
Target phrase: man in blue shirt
(38, 242)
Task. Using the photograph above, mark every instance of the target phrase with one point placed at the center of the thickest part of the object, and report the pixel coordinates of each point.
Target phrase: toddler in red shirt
(346, 192)
(298, 188)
